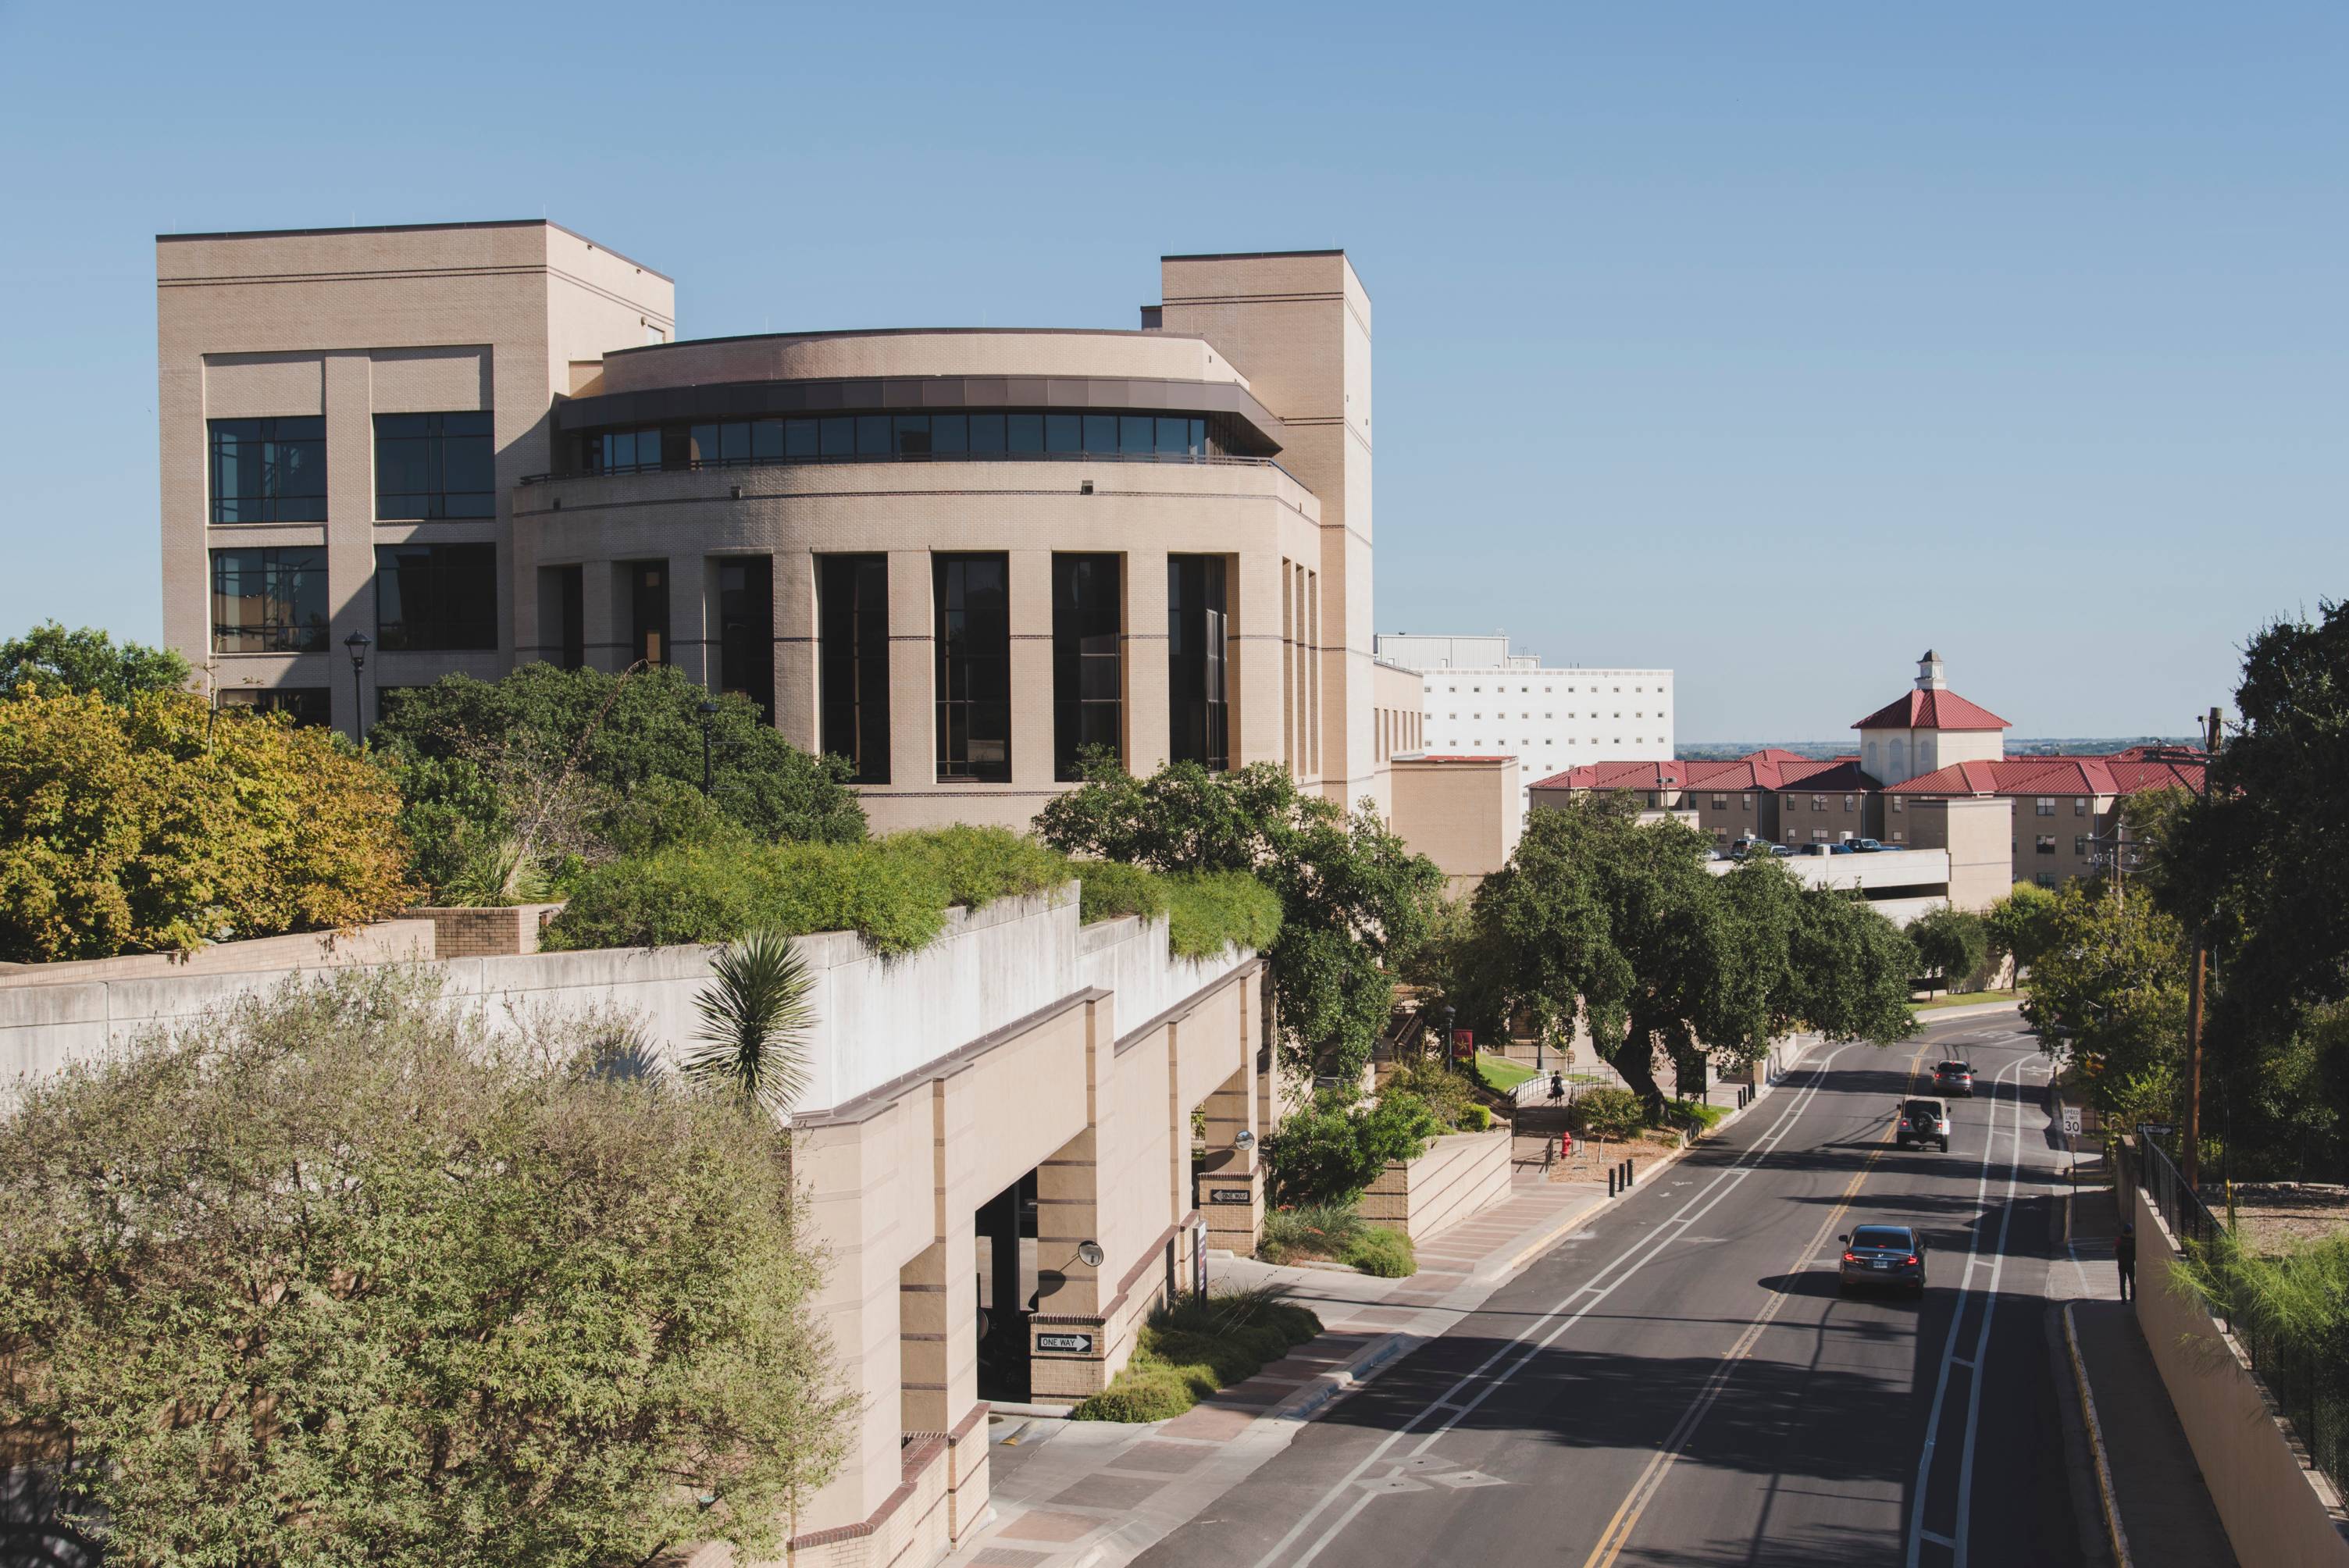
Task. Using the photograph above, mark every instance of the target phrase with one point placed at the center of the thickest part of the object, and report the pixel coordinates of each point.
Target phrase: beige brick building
(956, 557)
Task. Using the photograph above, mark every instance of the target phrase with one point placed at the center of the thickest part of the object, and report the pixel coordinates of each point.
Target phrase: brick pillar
(1231, 1185)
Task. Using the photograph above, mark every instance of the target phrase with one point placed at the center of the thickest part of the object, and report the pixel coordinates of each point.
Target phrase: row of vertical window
(843, 438)
(427, 598)
(427, 466)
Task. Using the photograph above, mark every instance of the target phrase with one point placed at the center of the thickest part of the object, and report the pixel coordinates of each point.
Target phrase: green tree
(2108, 994)
(51, 659)
(343, 1277)
(153, 825)
(2022, 924)
(1354, 898)
(1621, 922)
(1951, 944)
(508, 781)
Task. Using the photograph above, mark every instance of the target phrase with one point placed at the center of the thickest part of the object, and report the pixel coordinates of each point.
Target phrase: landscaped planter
(1459, 1174)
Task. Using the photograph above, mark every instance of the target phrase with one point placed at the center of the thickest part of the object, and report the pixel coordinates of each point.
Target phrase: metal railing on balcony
(697, 465)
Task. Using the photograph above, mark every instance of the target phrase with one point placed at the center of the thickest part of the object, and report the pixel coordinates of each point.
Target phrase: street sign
(2071, 1121)
(1078, 1343)
(1228, 1194)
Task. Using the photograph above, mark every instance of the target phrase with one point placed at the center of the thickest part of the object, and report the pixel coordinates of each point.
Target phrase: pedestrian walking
(2125, 1256)
(1556, 1087)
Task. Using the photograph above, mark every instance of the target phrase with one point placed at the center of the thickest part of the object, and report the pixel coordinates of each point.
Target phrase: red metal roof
(2120, 774)
(1932, 710)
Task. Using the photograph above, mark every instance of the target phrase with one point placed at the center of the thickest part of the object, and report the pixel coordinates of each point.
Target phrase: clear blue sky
(1769, 342)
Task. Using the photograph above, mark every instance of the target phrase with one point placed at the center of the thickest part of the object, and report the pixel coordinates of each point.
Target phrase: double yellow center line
(1652, 1480)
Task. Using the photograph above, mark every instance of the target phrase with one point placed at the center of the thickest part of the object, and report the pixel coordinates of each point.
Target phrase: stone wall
(1456, 1176)
(2276, 1509)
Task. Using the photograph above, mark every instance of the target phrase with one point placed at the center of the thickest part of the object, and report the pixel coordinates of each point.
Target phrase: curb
(1928, 1017)
(2097, 1444)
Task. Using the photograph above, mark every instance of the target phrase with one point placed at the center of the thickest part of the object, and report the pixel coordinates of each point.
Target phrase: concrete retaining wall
(877, 1019)
(1458, 1175)
(2277, 1510)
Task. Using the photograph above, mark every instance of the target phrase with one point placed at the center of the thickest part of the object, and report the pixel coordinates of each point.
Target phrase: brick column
(796, 672)
(913, 673)
(1231, 1185)
(1030, 583)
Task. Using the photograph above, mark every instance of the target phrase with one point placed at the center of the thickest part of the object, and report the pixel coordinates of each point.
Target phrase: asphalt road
(1680, 1383)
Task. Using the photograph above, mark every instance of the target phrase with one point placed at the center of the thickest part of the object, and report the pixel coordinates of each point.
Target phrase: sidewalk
(2165, 1509)
(1090, 1494)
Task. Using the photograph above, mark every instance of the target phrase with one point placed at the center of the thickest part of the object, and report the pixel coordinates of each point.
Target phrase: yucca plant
(755, 1017)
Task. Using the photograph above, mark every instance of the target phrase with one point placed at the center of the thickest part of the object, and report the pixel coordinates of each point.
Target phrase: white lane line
(1917, 1535)
(1982, 1341)
(1630, 1261)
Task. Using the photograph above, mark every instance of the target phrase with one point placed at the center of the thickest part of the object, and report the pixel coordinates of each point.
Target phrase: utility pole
(2196, 981)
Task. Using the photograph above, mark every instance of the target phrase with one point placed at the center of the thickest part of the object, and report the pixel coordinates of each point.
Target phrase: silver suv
(1923, 1121)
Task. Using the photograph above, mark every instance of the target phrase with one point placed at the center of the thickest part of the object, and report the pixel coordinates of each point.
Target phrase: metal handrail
(697, 465)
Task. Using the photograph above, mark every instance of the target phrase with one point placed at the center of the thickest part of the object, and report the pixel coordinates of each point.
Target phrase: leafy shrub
(893, 890)
(1379, 1251)
(1444, 1093)
(152, 824)
(662, 813)
(1953, 944)
(1208, 913)
(1192, 1348)
(1110, 890)
(1326, 1154)
(1308, 1231)
(1609, 1112)
(1476, 1119)
(1706, 1114)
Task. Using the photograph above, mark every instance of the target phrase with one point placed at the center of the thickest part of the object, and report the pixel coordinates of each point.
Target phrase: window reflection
(865, 438)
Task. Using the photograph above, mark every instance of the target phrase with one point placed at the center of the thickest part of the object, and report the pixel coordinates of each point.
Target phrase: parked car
(1955, 1078)
(1867, 847)
(1923, 1121)
(1782, 850)
(1841, 849)
(1879, 1255)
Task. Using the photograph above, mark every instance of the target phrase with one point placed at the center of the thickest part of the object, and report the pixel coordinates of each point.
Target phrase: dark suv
(1955, 1078)
(1883, 1256)
(1923, 1121)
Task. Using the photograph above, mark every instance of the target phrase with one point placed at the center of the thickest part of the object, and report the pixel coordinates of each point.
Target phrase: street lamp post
(357, 643)
(708, 711)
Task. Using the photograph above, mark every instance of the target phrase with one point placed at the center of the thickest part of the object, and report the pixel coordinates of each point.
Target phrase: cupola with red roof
(1928, 727)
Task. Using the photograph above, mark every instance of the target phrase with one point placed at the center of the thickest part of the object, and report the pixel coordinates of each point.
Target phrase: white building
(1480, 699)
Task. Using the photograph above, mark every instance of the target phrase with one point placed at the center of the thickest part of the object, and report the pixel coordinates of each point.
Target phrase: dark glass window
(950, 433)
(974, 678)
(269, 470)
(1025, 432)
(623, 451)
(434, 465)
(1064, 432)
(746, 627)
(432, 597)
(873, 435)
(269, 601)
(1087, 689)
(647, 612)
(1138, 434)
(800, 437)
(852, 659)
(1197, 711)
(307, 704)
(839, 436)
(563, 601)
(1101, 433)
(913, 435)
(986, 433)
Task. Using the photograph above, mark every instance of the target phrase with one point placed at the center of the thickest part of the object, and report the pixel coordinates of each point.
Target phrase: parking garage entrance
(1006, 1225)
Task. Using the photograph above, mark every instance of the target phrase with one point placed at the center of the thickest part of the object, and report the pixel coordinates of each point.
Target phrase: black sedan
(1878, 1256)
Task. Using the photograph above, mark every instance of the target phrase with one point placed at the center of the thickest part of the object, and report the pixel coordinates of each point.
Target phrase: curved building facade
(961, 559)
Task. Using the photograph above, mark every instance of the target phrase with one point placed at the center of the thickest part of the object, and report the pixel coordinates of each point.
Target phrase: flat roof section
(412, 229)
